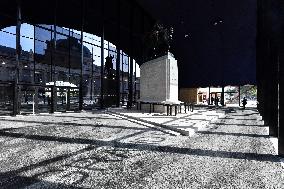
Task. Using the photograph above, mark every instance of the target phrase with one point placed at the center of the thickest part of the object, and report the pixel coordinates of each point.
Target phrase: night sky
(214, 40)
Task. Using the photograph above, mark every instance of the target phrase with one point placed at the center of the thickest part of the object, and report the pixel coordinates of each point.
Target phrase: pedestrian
(244, 101)
(26, 99)
(43, 98)
(216, 101)
(48, 100)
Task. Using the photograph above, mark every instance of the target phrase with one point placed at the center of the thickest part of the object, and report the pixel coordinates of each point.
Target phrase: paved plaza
(104, 149)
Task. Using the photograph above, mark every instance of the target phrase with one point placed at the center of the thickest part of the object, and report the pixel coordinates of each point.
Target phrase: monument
(159, 76)
(109, 89)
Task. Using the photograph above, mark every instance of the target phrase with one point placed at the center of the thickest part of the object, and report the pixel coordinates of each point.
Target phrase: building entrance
(67, 99)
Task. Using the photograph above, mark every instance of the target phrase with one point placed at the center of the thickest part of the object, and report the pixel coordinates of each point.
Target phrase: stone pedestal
(159, 82)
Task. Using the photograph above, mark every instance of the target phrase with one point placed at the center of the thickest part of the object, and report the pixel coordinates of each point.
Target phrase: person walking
(244, 101)
(212, 100)
(48, 100)
(216, 101)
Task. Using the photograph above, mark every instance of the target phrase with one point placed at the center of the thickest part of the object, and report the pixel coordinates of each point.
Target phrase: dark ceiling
(214, 40)
(125, 21)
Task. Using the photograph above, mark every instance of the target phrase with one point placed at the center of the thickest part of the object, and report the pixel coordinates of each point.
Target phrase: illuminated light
(215, 23)
(113, 78)
(25, 66)
(3, 63)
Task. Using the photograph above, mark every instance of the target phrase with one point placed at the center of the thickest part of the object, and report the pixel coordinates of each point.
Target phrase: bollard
(33, 103)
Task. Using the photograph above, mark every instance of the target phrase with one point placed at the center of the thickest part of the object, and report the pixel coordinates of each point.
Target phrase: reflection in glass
(52, 56)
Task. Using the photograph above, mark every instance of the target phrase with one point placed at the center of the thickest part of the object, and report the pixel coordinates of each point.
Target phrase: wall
(188, 95)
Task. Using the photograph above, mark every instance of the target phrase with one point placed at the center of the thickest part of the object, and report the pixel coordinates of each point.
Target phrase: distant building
(62, 65)
(202, 95)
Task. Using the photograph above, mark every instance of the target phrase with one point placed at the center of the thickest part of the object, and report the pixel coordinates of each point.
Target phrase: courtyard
(101, 150)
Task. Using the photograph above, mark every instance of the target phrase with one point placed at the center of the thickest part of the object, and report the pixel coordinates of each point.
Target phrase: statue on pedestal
(157, 42)
(110, 84)
(108, 66)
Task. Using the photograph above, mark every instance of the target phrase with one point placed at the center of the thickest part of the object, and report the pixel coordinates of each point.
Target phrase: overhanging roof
(127, 14)
(207, 53)
(214, 40)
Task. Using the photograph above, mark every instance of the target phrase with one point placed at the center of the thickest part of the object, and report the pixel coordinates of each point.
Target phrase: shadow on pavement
(75, 124)
(165, 149)
(233, 134)
(16, 181)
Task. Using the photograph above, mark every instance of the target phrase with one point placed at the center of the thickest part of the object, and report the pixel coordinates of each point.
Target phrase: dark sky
(214, 40)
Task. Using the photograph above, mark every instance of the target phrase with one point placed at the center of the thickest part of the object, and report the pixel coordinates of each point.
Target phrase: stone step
(147, 123)
(185, 124)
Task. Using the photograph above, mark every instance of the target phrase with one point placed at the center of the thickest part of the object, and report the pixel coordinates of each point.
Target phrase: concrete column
(117, 78)
(130, 64)
(68, 107)
(102, 57)
(16, 109)
(209, 97)
(266, 83)
(130, 84)
(117, 75)
(281, 103)
(53, 104)
(239, 91)
(281, 81)
(260, 39)
(223, 96)
(81, 75)
(81, 100)
(272, 99)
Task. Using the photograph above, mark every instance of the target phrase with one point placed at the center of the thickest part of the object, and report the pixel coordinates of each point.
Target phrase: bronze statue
(157, 42)
(108, 66)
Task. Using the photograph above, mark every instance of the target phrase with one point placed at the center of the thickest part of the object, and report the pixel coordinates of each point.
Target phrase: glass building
(48, 68)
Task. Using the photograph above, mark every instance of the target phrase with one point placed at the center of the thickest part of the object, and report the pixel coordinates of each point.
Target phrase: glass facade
(7, 66)
(55, 64)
